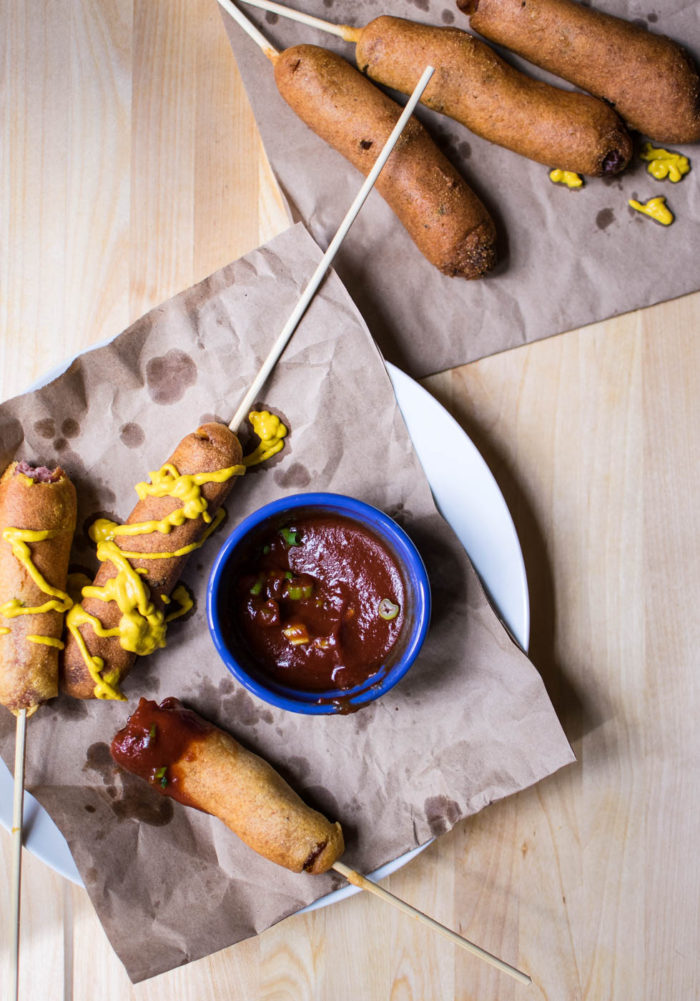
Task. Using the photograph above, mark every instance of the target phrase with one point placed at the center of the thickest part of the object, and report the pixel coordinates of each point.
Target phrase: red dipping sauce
(318, 603)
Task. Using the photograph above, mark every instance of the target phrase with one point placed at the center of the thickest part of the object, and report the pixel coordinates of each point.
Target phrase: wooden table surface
(133, 168)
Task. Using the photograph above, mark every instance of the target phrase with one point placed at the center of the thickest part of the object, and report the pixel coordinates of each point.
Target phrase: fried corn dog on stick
(183, 756)
(37, 522)
(125, 611)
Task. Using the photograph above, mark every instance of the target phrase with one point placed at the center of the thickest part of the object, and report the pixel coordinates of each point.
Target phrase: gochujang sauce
(319, 603)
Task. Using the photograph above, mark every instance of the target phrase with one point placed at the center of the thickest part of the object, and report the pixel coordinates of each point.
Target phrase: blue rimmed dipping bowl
(236, 551)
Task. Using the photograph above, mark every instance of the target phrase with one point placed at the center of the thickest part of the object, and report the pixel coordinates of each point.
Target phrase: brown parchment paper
(470, 723)
(568, 258)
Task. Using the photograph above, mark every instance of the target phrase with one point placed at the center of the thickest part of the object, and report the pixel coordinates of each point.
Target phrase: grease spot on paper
(169, 376)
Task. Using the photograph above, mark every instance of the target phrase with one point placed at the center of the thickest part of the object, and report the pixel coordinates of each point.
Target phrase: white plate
(467, 496)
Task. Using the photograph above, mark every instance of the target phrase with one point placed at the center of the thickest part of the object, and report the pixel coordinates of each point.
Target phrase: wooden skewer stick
(366, 884)
(17, 814)
(344, 31)
(250, 29)
(278, 347)
(325, 262)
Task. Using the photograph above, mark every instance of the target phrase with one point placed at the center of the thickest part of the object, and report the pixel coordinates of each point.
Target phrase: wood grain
(132, 167)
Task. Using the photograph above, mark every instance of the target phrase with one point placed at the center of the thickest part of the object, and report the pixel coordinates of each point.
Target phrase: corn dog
(185, 757)
(473, 85)
(649, 79)
(125, 611)
(443, 216)
(37, 522)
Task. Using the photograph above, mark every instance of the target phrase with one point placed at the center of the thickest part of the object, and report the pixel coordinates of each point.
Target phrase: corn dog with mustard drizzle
(125, 611)
(37, 522)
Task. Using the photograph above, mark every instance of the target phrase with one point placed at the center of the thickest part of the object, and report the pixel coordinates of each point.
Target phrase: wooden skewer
(278, 347)
(366, 884)
(325, 262)
(344, 31)
(17, 814)
(250, 29)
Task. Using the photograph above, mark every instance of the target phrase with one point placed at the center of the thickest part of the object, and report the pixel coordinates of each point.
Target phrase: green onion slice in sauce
(387, 610)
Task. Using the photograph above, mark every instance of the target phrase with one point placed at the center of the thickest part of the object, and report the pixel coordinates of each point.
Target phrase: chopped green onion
(151, 735)
(258, 585)
(290, 536)
(162, 775)
(266, 550)
(387, 609)
(288, 575)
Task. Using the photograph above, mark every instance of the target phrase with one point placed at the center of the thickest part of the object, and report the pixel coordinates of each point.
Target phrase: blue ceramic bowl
(416, 603)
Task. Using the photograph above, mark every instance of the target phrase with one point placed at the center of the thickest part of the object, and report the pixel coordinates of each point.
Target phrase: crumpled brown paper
(471, 721)
(568, 258)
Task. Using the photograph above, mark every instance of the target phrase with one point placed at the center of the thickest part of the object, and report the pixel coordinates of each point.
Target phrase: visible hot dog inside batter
(183, 756)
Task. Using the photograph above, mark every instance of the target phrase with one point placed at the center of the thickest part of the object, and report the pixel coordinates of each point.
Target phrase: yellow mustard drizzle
(567, 177)
(142, 626)
(104, 684)
(271, 432)
(664, 163)
(185, 602)
(655, 208)
(59, 601)
(47, 641)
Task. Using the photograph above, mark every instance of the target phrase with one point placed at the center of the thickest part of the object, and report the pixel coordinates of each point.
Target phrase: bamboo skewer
(325, 262)
(344, 31)
(17, 815)
(278, 347)
(366, 884)
(250, 29)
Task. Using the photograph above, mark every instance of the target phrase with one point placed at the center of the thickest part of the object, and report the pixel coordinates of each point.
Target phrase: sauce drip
(154, 739)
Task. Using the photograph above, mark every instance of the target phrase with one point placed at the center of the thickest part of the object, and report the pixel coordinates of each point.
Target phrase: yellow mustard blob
(655, 208)
(271, 432)
(4, 630)
(664, 163)
(567, 177)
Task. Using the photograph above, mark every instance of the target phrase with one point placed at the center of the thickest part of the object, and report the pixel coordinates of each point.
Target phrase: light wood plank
(131, 168)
